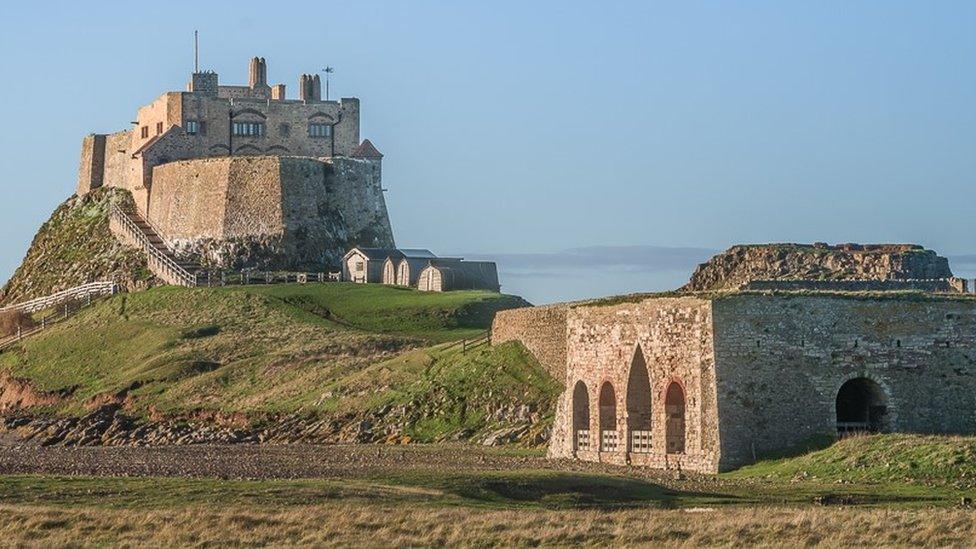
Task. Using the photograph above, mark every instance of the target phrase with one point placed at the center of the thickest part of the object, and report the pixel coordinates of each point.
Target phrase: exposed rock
(740, 265)
(505, 436)
(74, 247)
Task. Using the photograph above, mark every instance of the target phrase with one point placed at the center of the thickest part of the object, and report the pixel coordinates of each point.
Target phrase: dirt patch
(18, 394)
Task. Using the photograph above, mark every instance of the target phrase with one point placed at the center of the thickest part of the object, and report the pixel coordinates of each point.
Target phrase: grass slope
(434, 317)
(334, 349)
(916, 460)
(75, 246)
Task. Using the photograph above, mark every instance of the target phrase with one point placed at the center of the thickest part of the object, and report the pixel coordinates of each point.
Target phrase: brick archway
(581, 417)
(639, 404)
(861, 406)
(674, 407)
(608, 417)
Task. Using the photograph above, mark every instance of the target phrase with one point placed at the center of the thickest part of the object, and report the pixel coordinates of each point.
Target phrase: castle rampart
(268, 211)
(260, 211)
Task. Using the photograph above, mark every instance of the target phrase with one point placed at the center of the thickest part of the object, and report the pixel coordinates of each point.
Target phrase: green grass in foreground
(316, 348)
(912, 460)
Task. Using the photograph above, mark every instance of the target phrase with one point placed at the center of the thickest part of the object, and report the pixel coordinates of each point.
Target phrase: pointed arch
(674, 406)
(639, 404)
(608, 418)
(581, 417)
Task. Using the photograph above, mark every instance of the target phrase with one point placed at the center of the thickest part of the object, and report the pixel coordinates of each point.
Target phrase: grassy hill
(74, 246)
(923, 460)
(342, 352)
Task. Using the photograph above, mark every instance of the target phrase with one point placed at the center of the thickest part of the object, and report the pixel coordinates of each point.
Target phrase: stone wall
(269, 212)
(781, 360)
(947, 285)
(542, 330)
(671, 338)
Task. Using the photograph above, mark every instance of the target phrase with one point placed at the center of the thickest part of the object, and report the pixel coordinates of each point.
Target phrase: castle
(767, 348)
(243, 177)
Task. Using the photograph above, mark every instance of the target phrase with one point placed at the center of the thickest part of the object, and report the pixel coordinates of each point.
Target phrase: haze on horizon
(517, 130)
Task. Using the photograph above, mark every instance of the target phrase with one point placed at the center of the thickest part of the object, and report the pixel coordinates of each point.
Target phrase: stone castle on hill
(243, 177)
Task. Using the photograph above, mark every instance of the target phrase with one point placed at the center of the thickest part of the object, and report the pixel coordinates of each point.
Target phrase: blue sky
(528, 127)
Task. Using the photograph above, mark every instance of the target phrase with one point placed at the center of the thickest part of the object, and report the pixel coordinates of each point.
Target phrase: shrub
(10, 320)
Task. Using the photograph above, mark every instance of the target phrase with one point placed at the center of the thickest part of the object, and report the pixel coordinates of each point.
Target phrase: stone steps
(159, 244)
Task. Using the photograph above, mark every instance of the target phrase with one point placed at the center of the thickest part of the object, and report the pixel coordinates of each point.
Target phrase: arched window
(674, 406)
(581, 417)
(639, 405)
(608, 418)
(862, 406)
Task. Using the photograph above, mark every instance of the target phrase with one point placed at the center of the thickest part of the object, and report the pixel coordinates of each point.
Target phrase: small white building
(403, 268)
(365, 265)
(444, 275)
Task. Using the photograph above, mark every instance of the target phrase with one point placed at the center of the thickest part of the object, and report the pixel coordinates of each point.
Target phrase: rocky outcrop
(740, 265)
(74, 247)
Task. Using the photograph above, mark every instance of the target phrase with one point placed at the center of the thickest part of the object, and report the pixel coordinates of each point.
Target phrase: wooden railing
(58, 311)
(159, 263)
(85, 291)
(470, 343)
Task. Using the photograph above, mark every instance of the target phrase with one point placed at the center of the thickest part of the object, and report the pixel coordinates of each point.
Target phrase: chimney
(257, 73)
(278, 92)
(309, 89)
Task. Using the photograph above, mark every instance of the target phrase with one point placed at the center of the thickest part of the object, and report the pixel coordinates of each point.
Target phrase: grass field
(410, 504)
(332, 349)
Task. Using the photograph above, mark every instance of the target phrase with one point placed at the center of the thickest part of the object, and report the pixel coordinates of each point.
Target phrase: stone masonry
(760, 373)
(710, 381)
(541, 329)
(267, 211)
(310, 191)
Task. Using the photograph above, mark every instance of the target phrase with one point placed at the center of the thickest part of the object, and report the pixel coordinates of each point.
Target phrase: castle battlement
(310, 190)
(211, 120)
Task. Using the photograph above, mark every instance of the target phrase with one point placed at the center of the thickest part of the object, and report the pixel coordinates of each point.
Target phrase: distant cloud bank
(644, 258)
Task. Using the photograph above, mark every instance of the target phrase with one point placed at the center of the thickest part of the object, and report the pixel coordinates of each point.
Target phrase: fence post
(65, 310)
(18, 331)
(223, 278)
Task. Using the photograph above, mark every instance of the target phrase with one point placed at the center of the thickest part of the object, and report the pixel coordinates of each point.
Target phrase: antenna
(327, 70)
(196, 52)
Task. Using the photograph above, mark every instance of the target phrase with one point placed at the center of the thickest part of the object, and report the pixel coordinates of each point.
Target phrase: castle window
(284, 130)
(253, 129)
(192, 127)
(319, 130)
(159, 128)
(145, 132)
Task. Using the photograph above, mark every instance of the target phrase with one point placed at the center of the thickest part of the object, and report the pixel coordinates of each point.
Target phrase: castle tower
(309, 88)
(257, 73)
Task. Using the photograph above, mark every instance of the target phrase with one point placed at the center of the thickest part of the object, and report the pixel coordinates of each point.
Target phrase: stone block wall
(669, 337)
(542, 330)
(268, 212)
(953, 285)
(781, 360)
